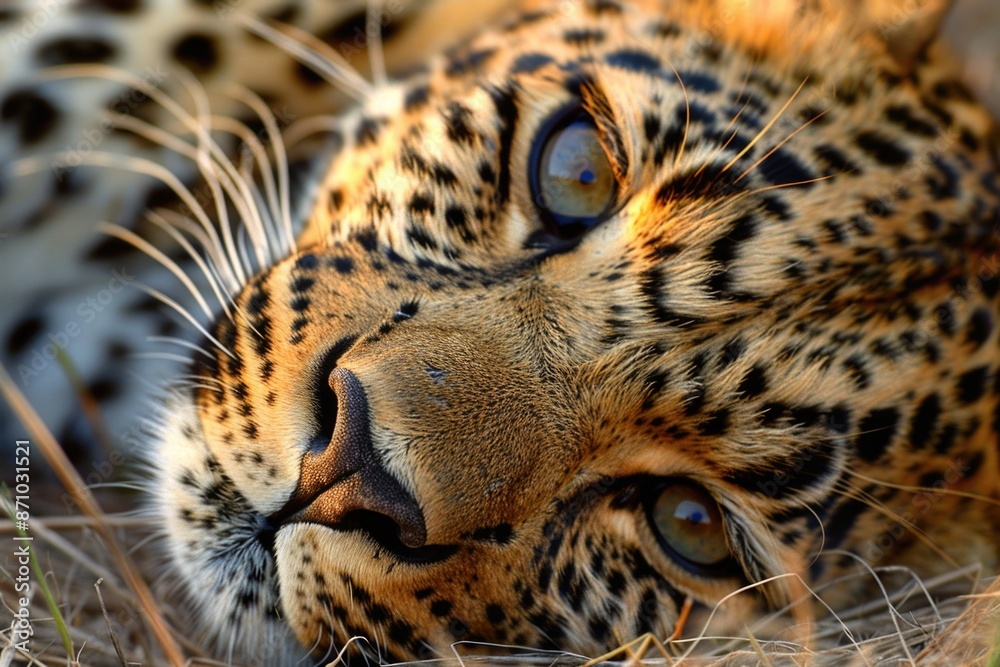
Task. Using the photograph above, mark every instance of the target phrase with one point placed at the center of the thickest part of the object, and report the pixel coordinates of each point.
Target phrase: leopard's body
(441, 414)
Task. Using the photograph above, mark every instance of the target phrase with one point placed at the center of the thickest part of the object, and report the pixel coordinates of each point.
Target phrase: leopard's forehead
(767, 315)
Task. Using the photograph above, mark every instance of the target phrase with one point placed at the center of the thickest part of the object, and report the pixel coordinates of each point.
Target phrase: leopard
(583, 320)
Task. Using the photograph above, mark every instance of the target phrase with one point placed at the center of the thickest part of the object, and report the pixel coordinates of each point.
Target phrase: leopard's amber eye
(689, 523)
(573, 181)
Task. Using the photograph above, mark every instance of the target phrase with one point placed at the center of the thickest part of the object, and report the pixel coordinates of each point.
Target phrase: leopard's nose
(344, 485)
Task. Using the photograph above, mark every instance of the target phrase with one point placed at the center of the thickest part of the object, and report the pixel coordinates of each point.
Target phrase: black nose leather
(347, 479)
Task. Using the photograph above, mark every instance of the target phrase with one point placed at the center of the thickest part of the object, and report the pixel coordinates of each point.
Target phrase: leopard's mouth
(378, 528)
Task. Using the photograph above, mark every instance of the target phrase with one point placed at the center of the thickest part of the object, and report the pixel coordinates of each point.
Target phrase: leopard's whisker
(760, 135)
(924, 489)
(732, 122)
(183, 343)
(687, 119)
(199, 378)
(779, 186)
(281, 210)
(305, 127)
(181, 310)
(213, 177)
(161, 356)
(219, 171)
(205, 142)
(146, 247)
(376, 52)
(242, 241)
(140, 165)
(151, 537)
(780, 144)
(173, 223)
(850, 490)
(312, 52)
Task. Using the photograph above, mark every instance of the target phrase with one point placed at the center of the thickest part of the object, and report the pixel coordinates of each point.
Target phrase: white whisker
(242, 235)
(305, 127)
(186, 315)
(138, 165)
(146, 247)
(201, 378)
(278, 146)
(376, 52)
(161, 356)
(183, 343)
(211, 276)
(313, 52)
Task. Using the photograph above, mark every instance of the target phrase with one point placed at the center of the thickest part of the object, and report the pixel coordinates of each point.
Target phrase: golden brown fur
(812, 341)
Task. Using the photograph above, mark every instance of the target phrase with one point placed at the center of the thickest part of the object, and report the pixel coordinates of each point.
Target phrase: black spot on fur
(876, 431)
(457, 117)
(110, 6)
(440, 608)
(924, 421)
(792, 474)
(834, 160)
(633, 61)
(418, 235)
(343, 265)
(699, 82)
(368, 130)
(754, 383)
(883, 150)
(506, 108)
(33, 115)
(109, 248)
(944, 183)
(706, 182)
(904, 117)
(421, 204)
(197, 51)
(858, 371)
(469, 62)
(716, 424)
(307, 262)
(530, 62)
(979, 329)
(416, 97)
(74, 50)
(784, 168)
(972, 384)
(840, 522)
(22, 334)
(583, 36)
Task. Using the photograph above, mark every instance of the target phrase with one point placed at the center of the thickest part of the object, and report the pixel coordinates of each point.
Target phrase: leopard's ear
(906, 26)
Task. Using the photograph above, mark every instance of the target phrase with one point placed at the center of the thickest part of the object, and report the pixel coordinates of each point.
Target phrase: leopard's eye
(689, 523)
(572, 180)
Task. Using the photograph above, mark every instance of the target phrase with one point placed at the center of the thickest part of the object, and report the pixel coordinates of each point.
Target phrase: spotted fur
(434, 420)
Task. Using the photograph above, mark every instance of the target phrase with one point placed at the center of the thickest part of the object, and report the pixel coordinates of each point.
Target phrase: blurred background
(974, 32)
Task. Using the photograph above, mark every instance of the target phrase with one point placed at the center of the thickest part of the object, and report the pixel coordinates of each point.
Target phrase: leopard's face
(611, 309)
